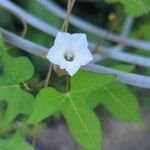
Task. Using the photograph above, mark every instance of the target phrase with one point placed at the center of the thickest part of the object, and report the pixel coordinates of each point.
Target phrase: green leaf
(134, 7)
(47, 103)
(121, 102)
(16, 142)
(117, 98)
(82, 122)
(15, 71)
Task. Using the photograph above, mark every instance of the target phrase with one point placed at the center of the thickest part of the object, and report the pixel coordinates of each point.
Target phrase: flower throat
(69, 56)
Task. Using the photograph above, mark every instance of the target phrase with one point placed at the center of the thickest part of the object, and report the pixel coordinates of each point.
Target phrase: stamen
(69, 56)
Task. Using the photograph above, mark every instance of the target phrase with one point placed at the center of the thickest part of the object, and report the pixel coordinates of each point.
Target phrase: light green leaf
(15, 71)
(82, 122)
(84, 83)
(117, 98)
(47, 102)
(134, 7)
(16, 142)
(121, 102)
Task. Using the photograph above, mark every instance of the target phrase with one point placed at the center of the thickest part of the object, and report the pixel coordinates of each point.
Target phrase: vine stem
(68, 84)
(65, 29)
(37, 125)
(66, 20)
(26, 86)
(35, 134)
(48, 75)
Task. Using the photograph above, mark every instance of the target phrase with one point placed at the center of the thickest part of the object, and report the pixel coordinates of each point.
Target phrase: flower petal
(84, 56)
(78, 41)
(62, 41)
(72, 68)
(54, 56)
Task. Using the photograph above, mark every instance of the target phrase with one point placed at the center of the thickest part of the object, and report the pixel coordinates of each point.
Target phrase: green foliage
(120, 102)
(16, 142)
(14, 72)
(88, 90)
(134, 7)
(82, 122)
(118, 99)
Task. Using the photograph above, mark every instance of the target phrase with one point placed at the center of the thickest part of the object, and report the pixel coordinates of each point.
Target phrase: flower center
(69, 56)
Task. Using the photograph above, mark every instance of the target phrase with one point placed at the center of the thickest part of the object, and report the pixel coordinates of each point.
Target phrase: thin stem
(68, 83)
(26, 86)
(35, 135)
(46, 84)
(66, 20)
(48, 75)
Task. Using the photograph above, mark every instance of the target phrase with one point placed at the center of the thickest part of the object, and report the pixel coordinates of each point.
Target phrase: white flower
(70, 52)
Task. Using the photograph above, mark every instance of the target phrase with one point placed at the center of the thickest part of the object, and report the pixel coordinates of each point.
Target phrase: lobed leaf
(118, 99)
(14, 72)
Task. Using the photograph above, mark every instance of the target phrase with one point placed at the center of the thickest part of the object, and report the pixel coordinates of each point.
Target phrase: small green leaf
(14, 72)
(83, 124)
(16, 142)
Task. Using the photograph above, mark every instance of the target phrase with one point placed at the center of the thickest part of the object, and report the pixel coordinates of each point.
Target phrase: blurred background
(53, 133)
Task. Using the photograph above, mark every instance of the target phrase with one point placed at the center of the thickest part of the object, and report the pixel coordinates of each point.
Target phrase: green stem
(35, 135)
(68, 83)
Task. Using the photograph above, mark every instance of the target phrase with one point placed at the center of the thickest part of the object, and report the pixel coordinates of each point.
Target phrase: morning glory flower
(70, 52)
